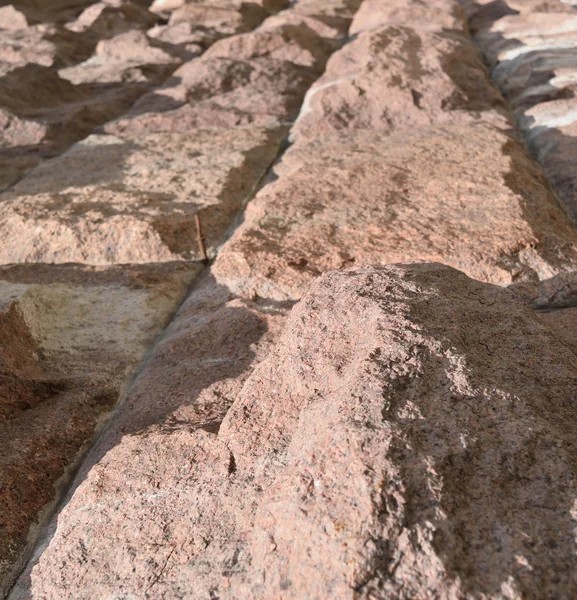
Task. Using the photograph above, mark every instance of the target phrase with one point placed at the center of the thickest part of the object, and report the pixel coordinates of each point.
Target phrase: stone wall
(288, 306)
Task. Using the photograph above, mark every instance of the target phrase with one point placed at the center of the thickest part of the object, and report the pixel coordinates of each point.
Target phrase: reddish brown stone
(398, 77)
(44, 45)
(127, 58)
(411, 434)
(531, 47)
(434, 15)
(111, 200)
(21, 143)
(258, 78)
(71, 338)
(10, 18)
(223, 92)
(551, 130)
(70, 112)
(563, 323)
(222, 21)
(466, 196)
(297, 44)
(322, 26)
(168, 6)
(107, 21)
(198, 368)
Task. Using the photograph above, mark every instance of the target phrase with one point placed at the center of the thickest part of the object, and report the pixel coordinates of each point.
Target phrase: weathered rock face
(426, 77)
(423, 195)
(106, 21)
(73, 335)
(200, 365)
(297, 44)
(531, 48)
(411, 434)
(258, 78)
(69, 111)
(349, 464)
(10, 18)
(169, 6)
(127, 58)
(123, 200)
(436, 15)
(70, 338)
(37, 124)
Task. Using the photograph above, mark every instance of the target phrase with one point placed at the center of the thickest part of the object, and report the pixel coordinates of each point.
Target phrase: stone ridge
(347, 403)
(530, 47)
(76, 332)
(410, 434)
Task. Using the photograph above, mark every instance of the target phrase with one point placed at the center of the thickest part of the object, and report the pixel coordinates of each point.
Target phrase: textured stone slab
(226, 93)
(203, 23)
(44, 45)
(112, 200)
(106, 21)
(482, 14)
(126, 58)
(297, 44)
(169, 6)
(399, 77)
(551, 130)
(43, 114)
(71, 337)
(512, 36)
(258, 78)
(537, 77)
(198, 368)
(531, 46)
(57, 12)
(466, 196)
(435, 15)
(69, 111)
(412, 431)
(10, 18)
(21, 142)
(563, 323)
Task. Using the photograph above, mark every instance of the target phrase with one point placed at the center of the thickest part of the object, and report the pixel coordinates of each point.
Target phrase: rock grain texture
(71, 338)
(116, 211)
(386, 431)
(531, 49)
(464, 195)
(410, 436)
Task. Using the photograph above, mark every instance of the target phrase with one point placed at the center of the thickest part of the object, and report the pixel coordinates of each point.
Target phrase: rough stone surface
(466, 196)
(199, 366)
(168, 6)
(398, 77)
(298, 44)
(112, 200)
(71, 337)
(436, 15)
(259, 78)
(21, 141)
(224, 92)
(346, 461)
(563, 323)
(551, 130)
(106, 21)
(70, 112)
(126, 58)
(205, 23)
(10, 18)
(531, 47)
(412, 434)
(48, 46)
